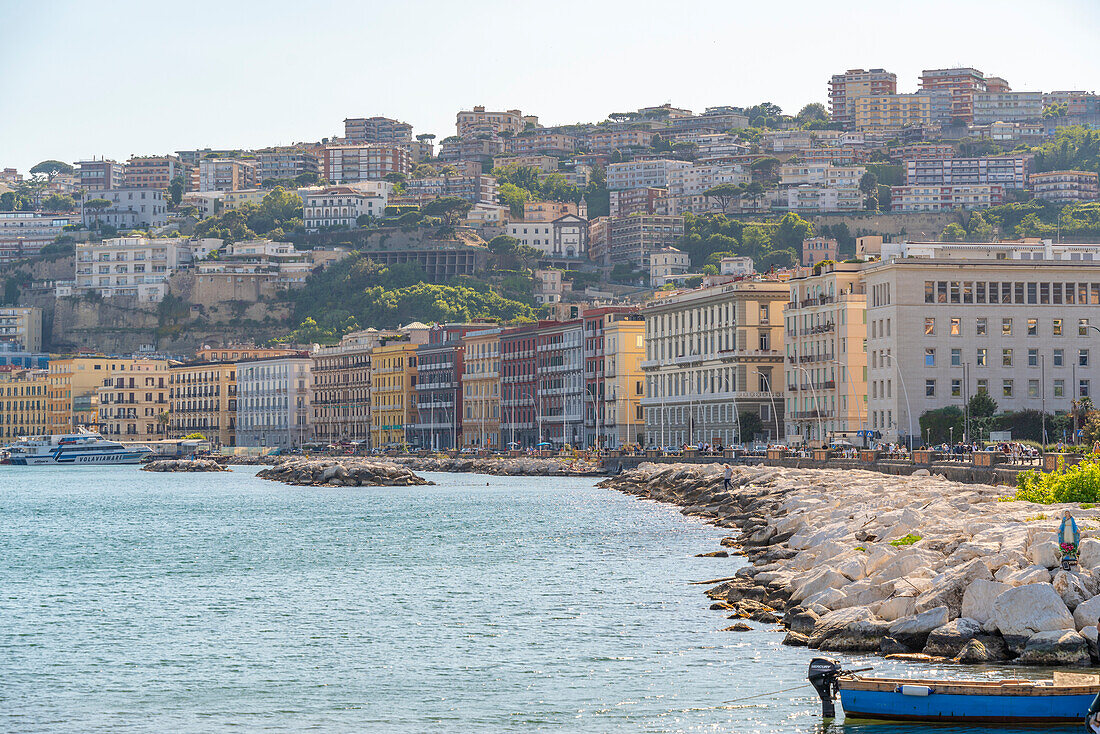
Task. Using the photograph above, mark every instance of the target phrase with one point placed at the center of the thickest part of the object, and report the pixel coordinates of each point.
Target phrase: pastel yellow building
(393, 375)
(202, 398)
(891, 111)
(624, 381)
(481, 389)
(72, 397)
(133, 401)
(23, 402)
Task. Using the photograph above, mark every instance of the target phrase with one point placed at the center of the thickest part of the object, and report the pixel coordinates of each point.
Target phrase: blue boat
(1066, 698)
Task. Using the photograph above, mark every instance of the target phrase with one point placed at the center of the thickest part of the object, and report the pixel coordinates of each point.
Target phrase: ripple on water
(135, 602)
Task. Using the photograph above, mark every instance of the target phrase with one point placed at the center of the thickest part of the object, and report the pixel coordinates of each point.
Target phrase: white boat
(86, 448)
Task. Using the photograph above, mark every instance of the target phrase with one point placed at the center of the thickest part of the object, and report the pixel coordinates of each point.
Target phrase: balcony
(811, 414)
(808, 358)
(810, 387)
(819, 329)
(750, 355)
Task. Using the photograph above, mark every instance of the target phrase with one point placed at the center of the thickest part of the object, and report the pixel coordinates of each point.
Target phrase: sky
(122, 78)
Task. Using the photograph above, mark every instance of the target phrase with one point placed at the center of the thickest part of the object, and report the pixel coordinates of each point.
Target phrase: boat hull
(121, 457)
(896, 706)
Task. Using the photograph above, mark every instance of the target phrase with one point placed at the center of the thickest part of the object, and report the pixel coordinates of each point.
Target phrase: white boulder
(1022, 611)
(1045, 554)
(978, 599)
(1087, 613)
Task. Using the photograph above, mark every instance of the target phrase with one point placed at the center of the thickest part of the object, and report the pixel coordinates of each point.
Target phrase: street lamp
(736, 413)
(771, 396)
(817, 404)
(897, 371)
(855, 398)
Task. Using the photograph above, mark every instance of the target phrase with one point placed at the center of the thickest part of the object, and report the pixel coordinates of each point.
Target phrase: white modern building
(130, 208)
(686, 186)
(273, 402)
(341, 206)
(134, 267)
(642, 173)
(667, 265)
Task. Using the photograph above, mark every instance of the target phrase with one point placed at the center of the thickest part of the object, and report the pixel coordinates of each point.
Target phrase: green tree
(981, 405)
(936, 425)
(953, 232)
(750, 424)
(792, 230)
(451, 209)
(59, 203)
(513, 197)
(868, 186)
(725, 194)
(813, 112)
(980, 229)
(97, 206)
(51, 168)
(175, 191)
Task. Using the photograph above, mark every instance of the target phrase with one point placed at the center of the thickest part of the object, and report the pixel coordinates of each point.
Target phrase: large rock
(1046, 554)
(913, 631)
(1087, 613)
(947, 641)
(978, 599)
(863, 636)
(802, 622)
(896, 608)
(1023, 577)
(1022, 611)
(1071, 587)
(819, 581)
(949, 591)
(986, 649)
(1056, 647)
(834, 622)
(1090, 635)
(1088, 553)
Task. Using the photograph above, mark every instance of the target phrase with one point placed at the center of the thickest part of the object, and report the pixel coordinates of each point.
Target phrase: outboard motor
(823, 676)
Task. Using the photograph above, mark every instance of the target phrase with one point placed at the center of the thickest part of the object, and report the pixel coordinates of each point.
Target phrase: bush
(1079, 483)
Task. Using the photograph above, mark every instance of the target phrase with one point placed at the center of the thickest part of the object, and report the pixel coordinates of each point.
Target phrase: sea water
(146, 602)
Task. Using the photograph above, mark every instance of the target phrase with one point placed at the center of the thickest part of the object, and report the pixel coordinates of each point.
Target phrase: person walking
(727, 477)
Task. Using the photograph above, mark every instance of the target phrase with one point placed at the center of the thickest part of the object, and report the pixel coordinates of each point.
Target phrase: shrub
(1078, 483)
(907, 540)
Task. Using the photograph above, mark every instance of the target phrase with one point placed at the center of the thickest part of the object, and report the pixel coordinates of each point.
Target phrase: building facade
(273, 402)
(226, 174)
(440, 363)
(23, 402)
(377, 130)
(364, 162)
(520, 419)
(1065, 187)
(938, 198)
(633, 239)
(202, 398)
(133, 401)
(22, 325)
(24, 234)
(559, 352)
(713, 355)
(481, 404)
(846, 87)
(128, 209)
(393, 393)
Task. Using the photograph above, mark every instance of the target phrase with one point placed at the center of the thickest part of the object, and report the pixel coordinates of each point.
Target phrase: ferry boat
(1067, 698)
(86, 448)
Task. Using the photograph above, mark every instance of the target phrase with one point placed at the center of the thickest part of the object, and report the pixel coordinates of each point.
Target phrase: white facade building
(273, 402)
(686, 186)
(134, 267)
(639, 174)
(341, 206)
(130, 208)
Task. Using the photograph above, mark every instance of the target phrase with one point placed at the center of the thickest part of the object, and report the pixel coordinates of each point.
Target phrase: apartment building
(826, 364)
(992, 107)
(226, 174)
(712, 120)
(960, 84)
(713, 354)
(642, 173)
(540, 141)
(520, 419)
(133, 401)
(686, 186)
(942, 329)
(476, 189)
(607, 141)
(481, 403)
(560, 240)
(350, 163)
(1078, 103)
(937, 198)
(1065, 187)
(816, 249)
(1007, 171)
(341, 206)
(393, 376)
(236, 199)
(480, 122)
(559, 353)
(819, 198)
(100, 175)
(889, 112)
(286, 162)
(377, 130)
(129, 208)
(668, 265)
(72, 396)
(13, 355)
(854, 83)
(135, 267)
(440, 364)
(154, 172)
(614, 347)
(202, 398)
(341, 382)
(923, 150)
(24, 234)
(239, 352)
(22, 325)
(541, 163)
(822, 174)
(477, 151)
(273, 401)
(633, 239)
(23, 402)
(740, 266)
(646, 200)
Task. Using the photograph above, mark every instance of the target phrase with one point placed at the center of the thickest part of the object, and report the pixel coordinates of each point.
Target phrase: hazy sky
(119, 78)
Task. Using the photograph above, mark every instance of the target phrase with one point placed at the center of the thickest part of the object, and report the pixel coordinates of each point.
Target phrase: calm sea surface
(138, 602)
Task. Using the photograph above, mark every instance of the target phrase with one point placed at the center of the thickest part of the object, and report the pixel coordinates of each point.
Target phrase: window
(1031, 293)
(1083, 389)
(1083, 358)
(1082, 327)
(1033, 358)
(956, 327)
(1006, 327)
(929, 357)
(1033, 388)
(981, 327)
(1006, 388)
(929, 388)
(1006, 357)
(983, 386)
(1059, 357)
(1056, 327)
(1033, 327)
(929, 327)
(929, 291)
(1059, 388)
(956, 388)
(981, 357)
(956, 357)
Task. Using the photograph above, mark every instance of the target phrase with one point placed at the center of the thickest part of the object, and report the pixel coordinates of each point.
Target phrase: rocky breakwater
(855, 561)
(164, 465)
(519, 466)
(342, 473)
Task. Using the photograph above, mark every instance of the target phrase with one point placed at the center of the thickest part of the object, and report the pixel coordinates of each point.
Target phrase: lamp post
(901, 379)
(855, 398)
(817, 404)
(771, 396)
(736, 413)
